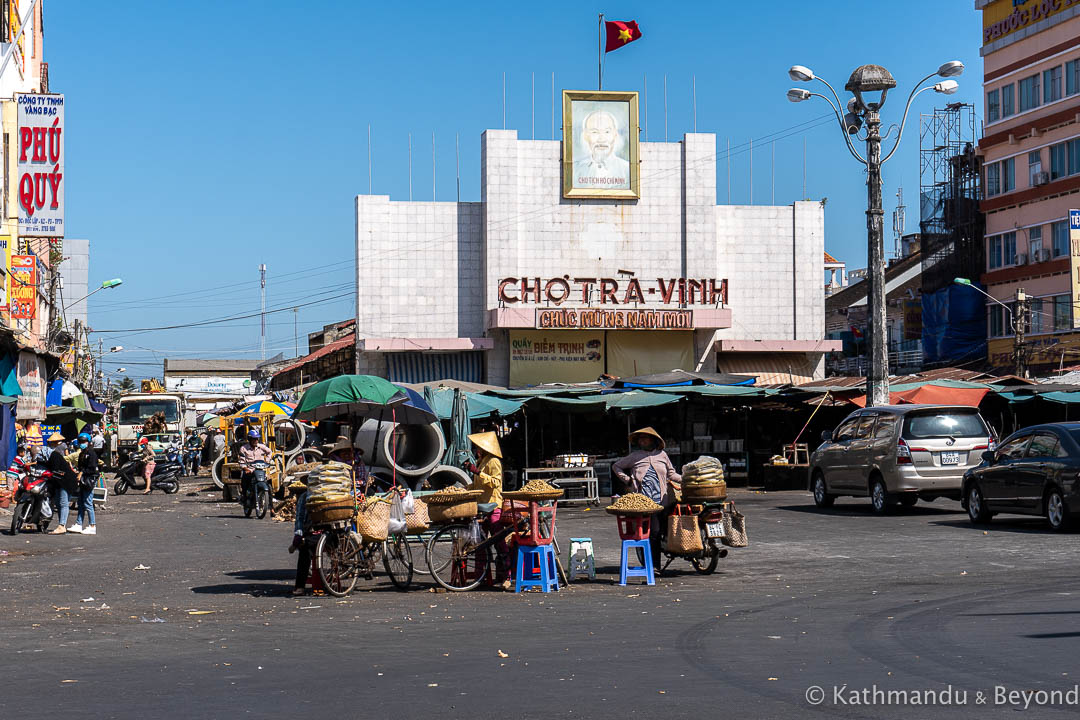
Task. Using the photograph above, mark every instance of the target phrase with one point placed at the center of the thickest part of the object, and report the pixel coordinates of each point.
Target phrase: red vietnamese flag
(620, 33)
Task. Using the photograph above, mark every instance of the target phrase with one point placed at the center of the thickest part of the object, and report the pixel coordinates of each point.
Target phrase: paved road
(919, 601)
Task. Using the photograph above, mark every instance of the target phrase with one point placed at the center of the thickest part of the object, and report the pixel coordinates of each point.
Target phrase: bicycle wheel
(397, 559)
(337, 559)
(453, 560)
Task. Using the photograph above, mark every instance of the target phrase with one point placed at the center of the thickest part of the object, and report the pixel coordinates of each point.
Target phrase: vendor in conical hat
(487, 472)
(648, 470)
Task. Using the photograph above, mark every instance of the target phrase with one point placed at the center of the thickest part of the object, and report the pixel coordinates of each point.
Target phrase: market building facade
(544, 281)
(1031, 160)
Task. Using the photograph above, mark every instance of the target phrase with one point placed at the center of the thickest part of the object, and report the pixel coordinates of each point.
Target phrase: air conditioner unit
(1041, 178)
(1020, 260)
(1042, 255)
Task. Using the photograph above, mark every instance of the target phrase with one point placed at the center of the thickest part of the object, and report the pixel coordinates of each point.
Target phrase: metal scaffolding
(949, 191)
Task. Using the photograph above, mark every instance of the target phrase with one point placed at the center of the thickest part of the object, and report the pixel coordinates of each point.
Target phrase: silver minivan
(898, 454)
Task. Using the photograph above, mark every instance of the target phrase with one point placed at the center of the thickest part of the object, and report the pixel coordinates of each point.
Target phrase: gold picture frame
(601, 160)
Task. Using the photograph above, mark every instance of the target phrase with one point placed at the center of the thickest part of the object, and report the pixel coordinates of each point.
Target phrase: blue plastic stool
(546, 578)
(645, 571)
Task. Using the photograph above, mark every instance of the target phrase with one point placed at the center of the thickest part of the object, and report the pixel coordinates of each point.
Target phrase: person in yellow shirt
(487, 472)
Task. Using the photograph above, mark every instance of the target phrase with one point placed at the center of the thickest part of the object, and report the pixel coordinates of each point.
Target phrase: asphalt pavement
(179, 608)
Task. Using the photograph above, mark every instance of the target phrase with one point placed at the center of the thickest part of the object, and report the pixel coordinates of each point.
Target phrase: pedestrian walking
(88, 478)
(65, 481)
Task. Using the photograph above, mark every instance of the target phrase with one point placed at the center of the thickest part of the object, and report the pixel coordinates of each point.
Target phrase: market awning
(934, 394)
(61, 415)
(480, 406)
(719, 390)
(630, 400)
(683, 377)
(768, 368)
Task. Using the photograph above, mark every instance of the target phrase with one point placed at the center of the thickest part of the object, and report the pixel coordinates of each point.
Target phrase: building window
(1058, 167)
(1034, 166)
(1029, 93)
(1008, 175)
(1063, 312)
(1052, 84)
(1073, 151)
(1059, 238)
(1001, 320)
(993, 179)
(1035, 244)
(993, 108)
(1002, 250)
(1007, 104)
(1040, 320)
(1072, 77)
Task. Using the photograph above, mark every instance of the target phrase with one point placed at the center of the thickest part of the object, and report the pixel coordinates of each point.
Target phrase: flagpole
(600, 56)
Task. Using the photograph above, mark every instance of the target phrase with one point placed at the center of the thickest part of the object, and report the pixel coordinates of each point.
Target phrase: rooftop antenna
(898, 221)
(262, 314)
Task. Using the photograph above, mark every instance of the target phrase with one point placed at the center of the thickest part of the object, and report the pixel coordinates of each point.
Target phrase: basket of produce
(536, 490)
(325, 513)
(703, 479)
(452, 496)
(633, 504)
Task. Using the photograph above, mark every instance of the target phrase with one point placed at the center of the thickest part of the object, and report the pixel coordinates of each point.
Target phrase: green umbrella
(348, 395)
(458, 446)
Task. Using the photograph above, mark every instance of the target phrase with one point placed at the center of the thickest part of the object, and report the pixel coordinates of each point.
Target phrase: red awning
(933, 395)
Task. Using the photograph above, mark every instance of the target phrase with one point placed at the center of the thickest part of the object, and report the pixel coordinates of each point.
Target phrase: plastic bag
(475, 534)
(397, 516)
(408, 505)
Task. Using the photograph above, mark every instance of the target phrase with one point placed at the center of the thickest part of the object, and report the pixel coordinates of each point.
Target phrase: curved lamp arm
(843, 129)
(903, 122)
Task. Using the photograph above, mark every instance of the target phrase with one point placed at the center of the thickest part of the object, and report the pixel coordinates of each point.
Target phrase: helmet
(253, 434)
(144, 441)
(83, 436)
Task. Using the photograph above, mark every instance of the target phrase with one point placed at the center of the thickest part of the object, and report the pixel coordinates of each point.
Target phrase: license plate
(714, 529)
(950, 458)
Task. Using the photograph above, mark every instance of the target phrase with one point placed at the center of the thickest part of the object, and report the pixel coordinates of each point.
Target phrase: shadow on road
(1053, 636)
(860, 510)
(1027, 526)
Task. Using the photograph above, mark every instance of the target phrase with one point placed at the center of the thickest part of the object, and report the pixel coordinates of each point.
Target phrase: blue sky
(205, 138)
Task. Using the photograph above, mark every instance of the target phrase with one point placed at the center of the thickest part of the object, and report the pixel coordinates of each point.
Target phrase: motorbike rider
(148, 460)
(251, 452)
(192, 450)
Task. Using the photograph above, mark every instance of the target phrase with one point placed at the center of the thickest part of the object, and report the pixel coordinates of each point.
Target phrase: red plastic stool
(539, 533)
(634, 527)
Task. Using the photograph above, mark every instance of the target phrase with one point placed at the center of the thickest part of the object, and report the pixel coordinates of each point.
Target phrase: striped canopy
(265, 406)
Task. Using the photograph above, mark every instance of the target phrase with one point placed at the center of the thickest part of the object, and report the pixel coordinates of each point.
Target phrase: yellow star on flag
(624, 35)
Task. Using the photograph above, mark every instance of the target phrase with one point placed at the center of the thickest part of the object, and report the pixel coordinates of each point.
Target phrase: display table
(785, 477)
(568, 478)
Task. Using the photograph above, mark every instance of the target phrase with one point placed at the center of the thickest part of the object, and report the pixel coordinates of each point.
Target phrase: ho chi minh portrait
(600, 144)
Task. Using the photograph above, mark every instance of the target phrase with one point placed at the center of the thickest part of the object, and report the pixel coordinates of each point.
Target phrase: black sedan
(1034, 471)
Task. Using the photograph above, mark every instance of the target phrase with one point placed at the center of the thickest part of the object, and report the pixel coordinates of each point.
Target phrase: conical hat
(651, 432)
(488, 442)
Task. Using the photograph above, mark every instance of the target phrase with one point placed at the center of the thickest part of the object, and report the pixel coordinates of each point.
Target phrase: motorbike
(255, 497)
(32, 505)
(166, 474)
(710, 524)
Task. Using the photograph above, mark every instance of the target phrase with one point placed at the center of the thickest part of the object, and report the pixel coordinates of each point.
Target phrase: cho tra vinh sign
(40, 153)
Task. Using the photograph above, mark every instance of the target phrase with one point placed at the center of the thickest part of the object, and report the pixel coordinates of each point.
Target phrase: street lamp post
(860, 110)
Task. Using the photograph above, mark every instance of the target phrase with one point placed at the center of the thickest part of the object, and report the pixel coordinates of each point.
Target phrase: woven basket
(450, 513)
(693, 493)
(610, 511)
(418, 520)
(452, 498)
(373, 519)
(534, 497)
(325, 513)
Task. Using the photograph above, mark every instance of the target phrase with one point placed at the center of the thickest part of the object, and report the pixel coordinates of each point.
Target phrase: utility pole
(262, 314)
(877, 380)
(1020, 323)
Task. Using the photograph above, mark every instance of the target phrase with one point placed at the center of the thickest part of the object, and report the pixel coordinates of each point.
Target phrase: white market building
(529, 286)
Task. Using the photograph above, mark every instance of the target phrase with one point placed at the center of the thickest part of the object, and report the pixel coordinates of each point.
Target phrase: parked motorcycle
(166, 475)
(32, 505)
(255, 497)
(710, 525)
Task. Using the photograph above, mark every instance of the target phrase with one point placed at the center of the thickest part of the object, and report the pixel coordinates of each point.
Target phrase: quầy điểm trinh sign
(621, 319)
(611, 291)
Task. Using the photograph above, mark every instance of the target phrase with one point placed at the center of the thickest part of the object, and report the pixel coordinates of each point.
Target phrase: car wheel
(822, 498)
(1057, 514)
(879, 497)
(978, 513)
(909, 500)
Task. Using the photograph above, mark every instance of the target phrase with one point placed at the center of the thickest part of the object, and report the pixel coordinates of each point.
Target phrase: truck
(134, 409)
